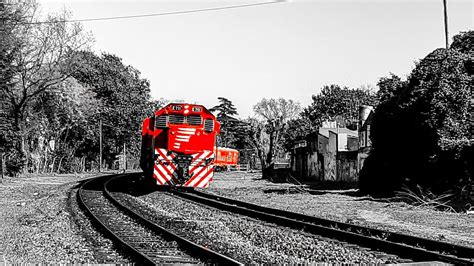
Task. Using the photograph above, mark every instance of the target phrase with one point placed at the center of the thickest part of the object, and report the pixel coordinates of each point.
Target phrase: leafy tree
(421, 131)
(388, 87)
(297, 129)
(67, 117)
(125, 98)
(463, 42)
(156, 105)
(225, 115)
(334, 102)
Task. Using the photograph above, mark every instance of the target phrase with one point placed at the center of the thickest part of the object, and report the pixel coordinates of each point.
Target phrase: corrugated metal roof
(342, 130)
(324, 131)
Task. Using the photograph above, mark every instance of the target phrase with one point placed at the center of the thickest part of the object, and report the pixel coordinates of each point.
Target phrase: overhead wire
(156, 14)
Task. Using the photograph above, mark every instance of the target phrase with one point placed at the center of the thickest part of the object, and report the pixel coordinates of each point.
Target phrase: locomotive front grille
(194, 120)
(161, 121)
(208, 125)
(176, 119)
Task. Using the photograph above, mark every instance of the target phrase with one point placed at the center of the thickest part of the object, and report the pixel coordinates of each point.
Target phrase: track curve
(144, 240)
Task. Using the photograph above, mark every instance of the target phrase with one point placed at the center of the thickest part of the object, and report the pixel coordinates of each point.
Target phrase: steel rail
(142, 258)
(402, 245)
(453, 249)
(197, 250)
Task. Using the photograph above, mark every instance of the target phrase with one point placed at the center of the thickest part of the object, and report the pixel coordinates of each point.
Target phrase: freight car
(178, 146)
(225, 157)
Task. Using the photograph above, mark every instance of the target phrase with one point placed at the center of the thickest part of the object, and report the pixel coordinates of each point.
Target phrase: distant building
(304, 158)
(327, 155)
(342, 155)
(365, 145)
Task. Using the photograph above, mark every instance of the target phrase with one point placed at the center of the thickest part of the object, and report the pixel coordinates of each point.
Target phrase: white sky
(287, 50)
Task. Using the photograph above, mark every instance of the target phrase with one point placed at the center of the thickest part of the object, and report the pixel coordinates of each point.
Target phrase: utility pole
(100, 144)
(446, 23)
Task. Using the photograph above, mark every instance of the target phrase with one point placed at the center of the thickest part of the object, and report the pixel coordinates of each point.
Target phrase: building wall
(331, 164)
(361, 156)
(341, 142)
(365, 121)
(312, 170)
(340, 158)
(299, 162)
(347, 166)
(323, 156)
(305, 160)
(332, 158)
(352, 143)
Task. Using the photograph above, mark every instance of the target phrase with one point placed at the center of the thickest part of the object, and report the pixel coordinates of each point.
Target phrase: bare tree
(255, 135)
(41, 53)
(275, 114)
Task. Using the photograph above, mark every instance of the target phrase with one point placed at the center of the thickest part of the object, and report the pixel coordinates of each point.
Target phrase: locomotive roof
(226, 149)
(168, 106)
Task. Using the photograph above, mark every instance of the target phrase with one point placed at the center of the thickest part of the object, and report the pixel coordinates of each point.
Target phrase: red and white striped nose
(194, 170)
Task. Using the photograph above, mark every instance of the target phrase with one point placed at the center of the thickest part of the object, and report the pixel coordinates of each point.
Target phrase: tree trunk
(52, 165)
(2, 164)
(59, 164)
(38, 166)
(28, 168)
(83, 163)
(18, 125)
(46, 158)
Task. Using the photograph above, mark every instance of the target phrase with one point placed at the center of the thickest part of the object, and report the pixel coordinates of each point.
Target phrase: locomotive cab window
(194, 120)
(161, 121)
(208, 125)
(176, 119)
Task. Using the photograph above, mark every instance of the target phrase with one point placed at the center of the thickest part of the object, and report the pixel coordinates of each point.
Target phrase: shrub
(15, 162)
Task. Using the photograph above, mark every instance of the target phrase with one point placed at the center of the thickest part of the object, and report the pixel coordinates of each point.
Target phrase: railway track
(411, 247)
(146, 241)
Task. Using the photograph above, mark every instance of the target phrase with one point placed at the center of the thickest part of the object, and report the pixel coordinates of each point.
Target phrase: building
(365, 121)
(327, 155)
(304, 158)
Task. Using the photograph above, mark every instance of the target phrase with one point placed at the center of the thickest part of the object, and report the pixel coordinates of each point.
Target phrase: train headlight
(197, 109)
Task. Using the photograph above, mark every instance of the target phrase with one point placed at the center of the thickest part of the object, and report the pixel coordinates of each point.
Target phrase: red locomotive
(178, 145)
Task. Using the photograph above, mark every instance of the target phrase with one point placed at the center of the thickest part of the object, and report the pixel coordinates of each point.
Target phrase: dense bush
(14, 162)
(421, 128)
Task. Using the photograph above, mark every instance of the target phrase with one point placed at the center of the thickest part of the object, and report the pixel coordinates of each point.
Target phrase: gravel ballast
(245, 239)
(41, 223)
(347, 206)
